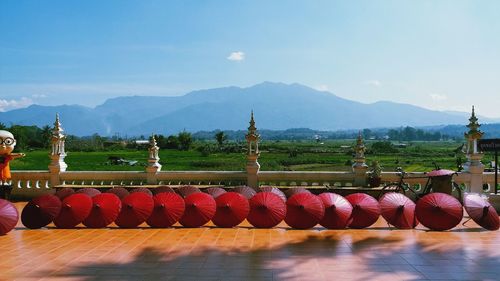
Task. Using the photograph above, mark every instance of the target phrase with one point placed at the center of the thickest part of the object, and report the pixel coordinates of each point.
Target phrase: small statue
(7, 144)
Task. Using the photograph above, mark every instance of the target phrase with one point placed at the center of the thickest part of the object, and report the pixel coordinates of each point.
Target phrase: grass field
(275, 156)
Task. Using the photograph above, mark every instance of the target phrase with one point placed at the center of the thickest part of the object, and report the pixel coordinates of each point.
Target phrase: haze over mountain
(277, 106)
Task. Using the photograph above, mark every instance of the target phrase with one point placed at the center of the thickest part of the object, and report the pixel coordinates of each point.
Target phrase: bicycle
(399, 187)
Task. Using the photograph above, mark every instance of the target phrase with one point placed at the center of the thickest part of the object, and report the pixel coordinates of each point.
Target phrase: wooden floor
(245, 253)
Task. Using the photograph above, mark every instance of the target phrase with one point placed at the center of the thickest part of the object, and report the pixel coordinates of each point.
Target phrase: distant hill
(277, 106)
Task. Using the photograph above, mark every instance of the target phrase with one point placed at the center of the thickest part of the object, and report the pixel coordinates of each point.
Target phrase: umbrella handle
(466, 221)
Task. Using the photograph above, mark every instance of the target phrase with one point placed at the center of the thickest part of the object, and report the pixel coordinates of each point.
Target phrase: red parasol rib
(89, 191)
(439, 211)
(143, 190)
(168, 209)
(105, 210)
(365, 210)
(338, 211)
(294, 190)
(136, 209)
(64, 192)
(187, 190)
(246, 191)
(304, 210)
(8, 216)
(75, 209)
(481, 211)
(398, 210)
(41, 211)
(215, 191)
(163, 188)
(232, 209)
(200, 209)
(274, 190)
(267, 209)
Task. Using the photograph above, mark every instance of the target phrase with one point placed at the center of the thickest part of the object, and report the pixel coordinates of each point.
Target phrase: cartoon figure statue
(7, 143)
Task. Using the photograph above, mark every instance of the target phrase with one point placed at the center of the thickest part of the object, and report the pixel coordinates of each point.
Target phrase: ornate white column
(253, 166)
(359, 167)
(57, 154)
(154, 165)
(473, 166)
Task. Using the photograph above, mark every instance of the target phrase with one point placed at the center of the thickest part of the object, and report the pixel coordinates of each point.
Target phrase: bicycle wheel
(392, 187)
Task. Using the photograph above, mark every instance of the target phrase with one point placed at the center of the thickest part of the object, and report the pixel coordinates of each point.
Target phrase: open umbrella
(64, 192)
(200, 209)
(105, 210)
(439, 211)
(246, 191)
(8, 216)
(365, 210)
(136, 209)
(163, 188)
(41, 211)
(89, 191)
(294, 190)
(304, 210)
(187, 190)
(338, 211)
(481, 211)
(267, 210)
(143, 190)
(232, 209)
(440, 173)
(168, 209)
(119, 191)
(75, 209)
(215, 191)
(398, 210)
(274, 190)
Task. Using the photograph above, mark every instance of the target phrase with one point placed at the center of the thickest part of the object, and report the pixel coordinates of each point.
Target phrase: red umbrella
(365, 210)
(136, 209)
(8, 216)
(440, 173)
(274, 190)
(294, 190)
(187, 190)
(398, 210)
(481, 211)
(41, 211)
(304, 210)
(121, 192)
(246, 191)
(143, 190)
(338, 211)
(163, 188)
(168, 209)
(267, 210)
(64, 192)
(89, 191)
(215, 191)
(439, 211)
(200, 209)
(105, 210)
(75, 209)
(232, 209)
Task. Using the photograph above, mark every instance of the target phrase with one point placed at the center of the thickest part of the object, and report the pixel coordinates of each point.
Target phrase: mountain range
(277, 106)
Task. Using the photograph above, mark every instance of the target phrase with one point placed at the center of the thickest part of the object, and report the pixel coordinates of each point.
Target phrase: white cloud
(6, 105)
(39, 96)
(374, 82)
(236, 56)
(438, 97)
(322, 87)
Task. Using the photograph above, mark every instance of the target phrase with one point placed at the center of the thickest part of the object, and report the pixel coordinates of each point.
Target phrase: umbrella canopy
(187, 190)
(143, 190)
(365, 210)
(105, 210)
(246, 191)
(232, 209)
(439, 211)
(64, 192)
(200, 209)
(481, 211)
(8, 216)
(75, 209)
(274, 190)
(304, 210)
(440, 173)
(294, 190)
(121, 192)
(168, 209)
(136, 209)
(338, 211)
(41, 211)
(89, 191)
(163, 188)
(215, 191)
(398, 210)
(267, 209)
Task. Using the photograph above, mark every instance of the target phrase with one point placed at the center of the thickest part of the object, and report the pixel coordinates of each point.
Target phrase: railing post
(58, 153)
(359, 167)
(154, 165)
(253, 165)
(473, 166)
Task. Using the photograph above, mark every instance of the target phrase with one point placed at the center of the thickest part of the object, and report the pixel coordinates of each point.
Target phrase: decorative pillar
(253, 166)
(359, 167)
(473, 166)
(154, 165)
(57, 155)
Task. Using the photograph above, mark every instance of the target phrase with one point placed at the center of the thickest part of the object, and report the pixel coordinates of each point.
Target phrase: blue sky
(437, 54)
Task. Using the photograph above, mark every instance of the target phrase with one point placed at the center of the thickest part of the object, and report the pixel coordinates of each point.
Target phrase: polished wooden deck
(245, 253)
